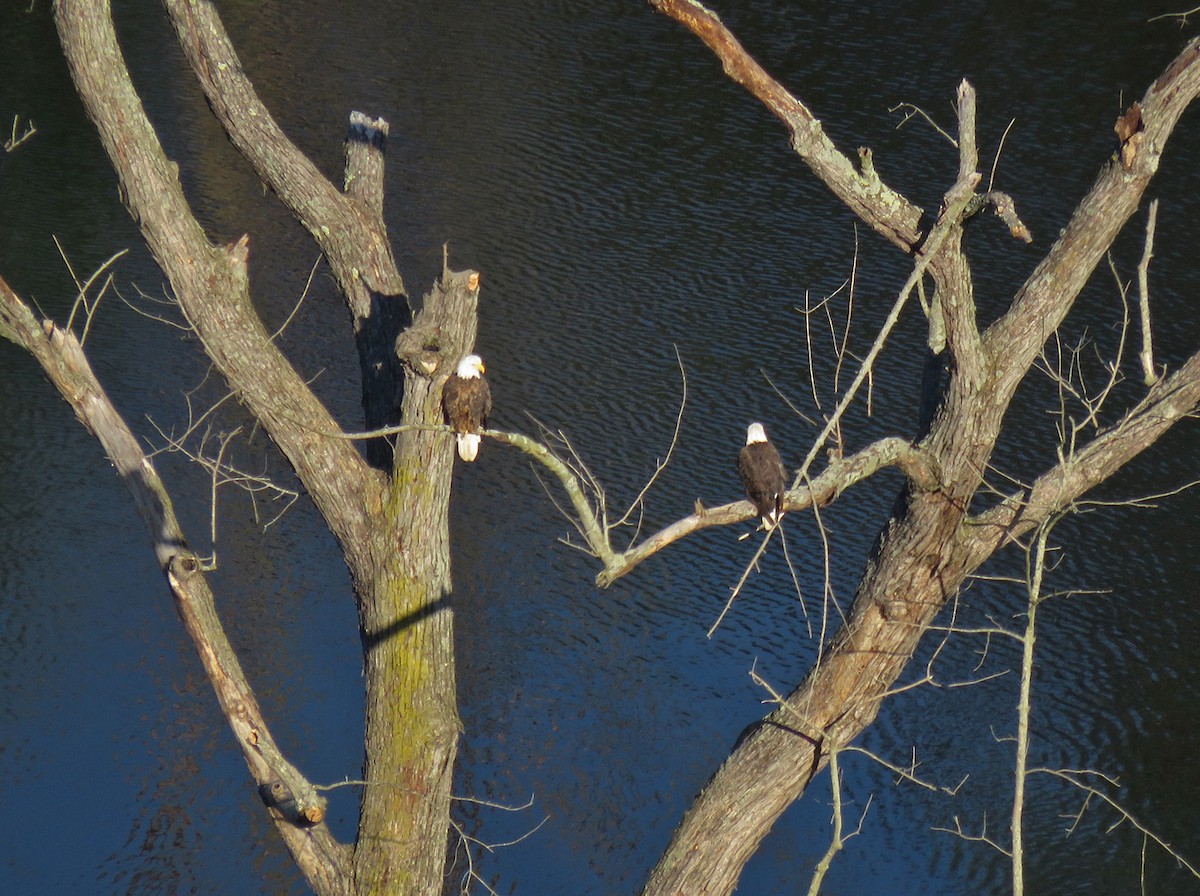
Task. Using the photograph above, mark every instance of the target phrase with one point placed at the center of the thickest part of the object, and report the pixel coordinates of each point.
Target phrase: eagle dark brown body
(466, 402)
(763, 475)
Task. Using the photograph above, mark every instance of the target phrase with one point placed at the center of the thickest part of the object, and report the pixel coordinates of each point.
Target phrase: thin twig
(81, 288)
(1035, 567)
(300, 301)
(1075, 777)
(662, 465)
(999, 150)
(1150, 375)
(17, 139)
(737, 589)
(961, 193)
(915, 110)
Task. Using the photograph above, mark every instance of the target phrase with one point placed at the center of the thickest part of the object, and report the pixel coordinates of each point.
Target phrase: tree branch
(587, 523)
(1166, 404)
(1050, 292)
(210, 283)
(297, 809)
(819, 491)
(1150, 375)
(924, 552)
(349, 229)
(947, 230)
(885, 210)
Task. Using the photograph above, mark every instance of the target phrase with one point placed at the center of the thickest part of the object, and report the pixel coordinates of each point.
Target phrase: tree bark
(390, 515)
(931, 545)
(296, 808)
(392, 525)
(407, 625)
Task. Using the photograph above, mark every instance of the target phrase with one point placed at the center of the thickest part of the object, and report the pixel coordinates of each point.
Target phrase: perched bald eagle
(466, 402)
(763, 475)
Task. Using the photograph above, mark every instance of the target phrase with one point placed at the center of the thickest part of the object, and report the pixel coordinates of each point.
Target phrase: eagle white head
(755, 433)
(470, 367)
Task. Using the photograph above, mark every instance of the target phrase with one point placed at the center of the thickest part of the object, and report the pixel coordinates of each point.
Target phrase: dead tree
(935, 539)
(388, 511)
(389, 515)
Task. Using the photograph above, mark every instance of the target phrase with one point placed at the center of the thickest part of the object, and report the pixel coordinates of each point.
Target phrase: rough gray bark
(933, 543)
(391, 523)
(295, 806)
(389, 515)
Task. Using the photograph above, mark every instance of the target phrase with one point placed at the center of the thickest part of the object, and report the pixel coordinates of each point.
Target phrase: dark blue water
(624, 203)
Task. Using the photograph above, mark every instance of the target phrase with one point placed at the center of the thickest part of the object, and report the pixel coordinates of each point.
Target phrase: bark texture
(388, 510)
(389, 516)
(296, 808)
(932, 543)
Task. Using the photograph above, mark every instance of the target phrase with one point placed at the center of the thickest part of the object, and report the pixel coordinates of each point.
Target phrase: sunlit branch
(981, 837)
(222, 472)
(956, 201)
(787, 559)
(828, 595)
(906, 773)
(862, 190)
(737, 589)
(467, 842)
(911, 111)
(299, 302)
(823, 489)
(185, 327)
(299, 809)
(838, 839)
(662, 465)
(211, 282)
(328, 214)
(1149, 374)
(1005, 209)
(999, 150)
(842, 350)
(838, 476)
(16, 139)
(587, 522)
(82, 287)
(1035, 568)
(1166, 403)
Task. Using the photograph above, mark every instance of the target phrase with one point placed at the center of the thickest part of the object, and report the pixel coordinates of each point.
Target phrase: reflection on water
(625, 203)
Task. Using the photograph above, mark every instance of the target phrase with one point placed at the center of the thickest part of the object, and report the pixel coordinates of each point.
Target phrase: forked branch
(1173, 398)
(822, 490)
(211, 282)
(350, 232)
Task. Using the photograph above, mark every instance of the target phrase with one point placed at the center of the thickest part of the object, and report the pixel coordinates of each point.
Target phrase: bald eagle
(763, 475)
(466, 402)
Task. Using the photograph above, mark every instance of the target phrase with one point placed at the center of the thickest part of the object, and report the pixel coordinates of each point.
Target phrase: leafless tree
(938, 535)
(388, 515)
(388, 509)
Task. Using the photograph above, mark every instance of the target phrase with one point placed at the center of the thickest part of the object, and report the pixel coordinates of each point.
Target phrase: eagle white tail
(468, 445)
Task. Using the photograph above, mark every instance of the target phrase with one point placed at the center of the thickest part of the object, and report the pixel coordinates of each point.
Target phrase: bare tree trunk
(392, 526)
(932, 544)
(407, 626)
(390, 515)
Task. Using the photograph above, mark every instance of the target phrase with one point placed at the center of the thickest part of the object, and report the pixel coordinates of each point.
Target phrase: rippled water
(627, 206)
